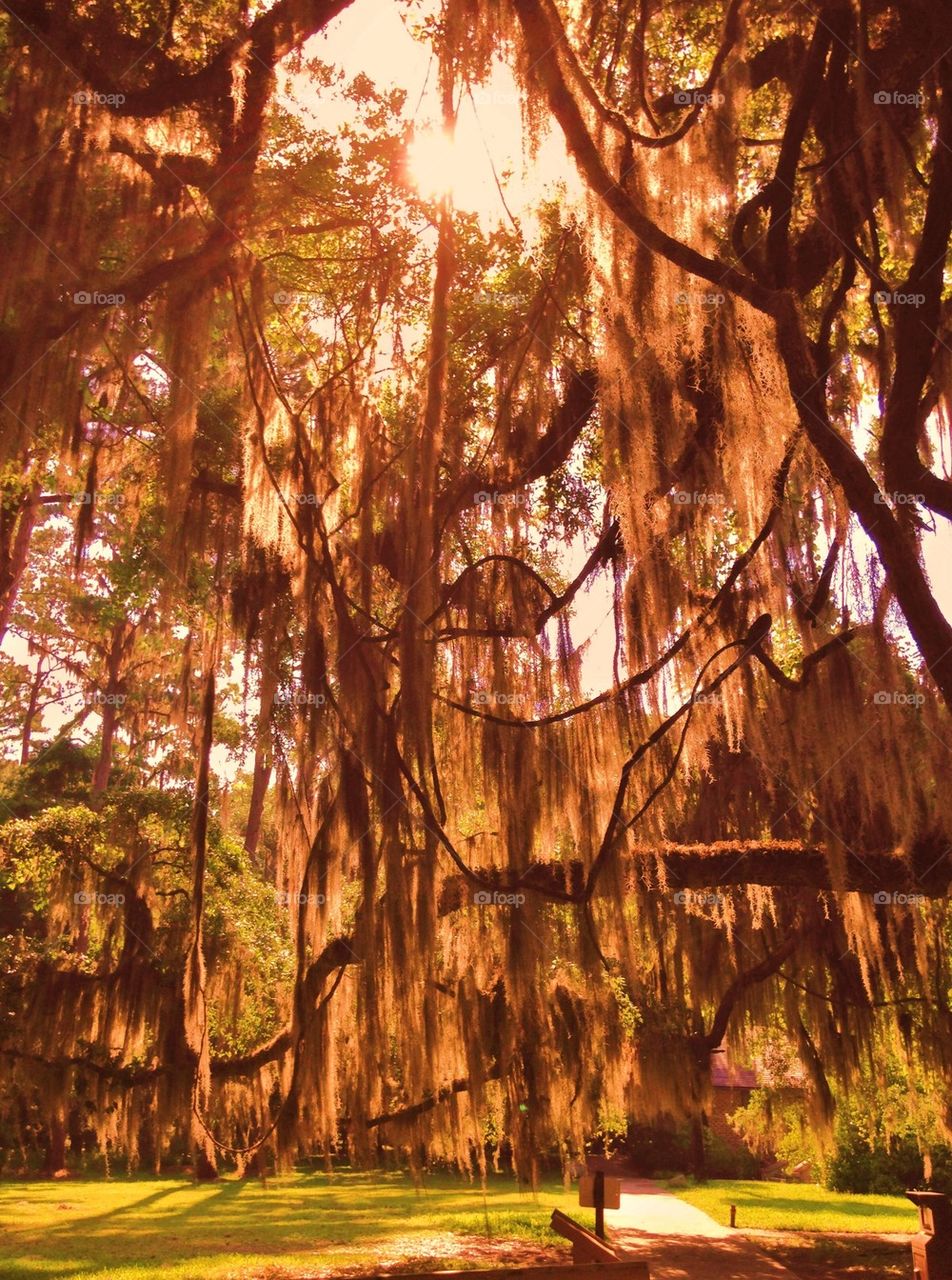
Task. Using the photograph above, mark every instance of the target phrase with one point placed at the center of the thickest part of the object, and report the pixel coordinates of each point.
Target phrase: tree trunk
(30, 718)
(113, 698)
(16, 558)
(259, 792)
(54, 1163)
(698, 1158)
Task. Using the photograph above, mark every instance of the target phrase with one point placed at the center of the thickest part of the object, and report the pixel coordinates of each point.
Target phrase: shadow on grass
(799, 1207)
(185, 1223)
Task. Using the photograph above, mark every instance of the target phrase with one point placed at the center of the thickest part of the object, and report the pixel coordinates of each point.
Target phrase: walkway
(680, 1242)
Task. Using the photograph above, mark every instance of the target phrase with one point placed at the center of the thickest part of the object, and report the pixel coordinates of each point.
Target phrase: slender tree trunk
(259, 791)
(54, 1163)
(698, 1158)
(113, 698)
(15, 559)
(262, 770)
(30, 718)
(195, 1010)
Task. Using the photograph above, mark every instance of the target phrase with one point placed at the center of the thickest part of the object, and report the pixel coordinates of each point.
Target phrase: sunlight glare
(437, 164)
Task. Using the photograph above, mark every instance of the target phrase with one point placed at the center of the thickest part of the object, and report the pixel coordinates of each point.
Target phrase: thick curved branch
(545, 39)
(916, 314)
(460, 1085)
(895, 543)
(713, 1038)
(272, 36)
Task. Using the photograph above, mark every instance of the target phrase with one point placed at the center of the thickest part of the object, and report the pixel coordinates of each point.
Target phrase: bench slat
(586, 1246)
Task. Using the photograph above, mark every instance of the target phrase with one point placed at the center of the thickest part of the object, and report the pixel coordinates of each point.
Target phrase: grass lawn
(307, 1224)
(794, 1206)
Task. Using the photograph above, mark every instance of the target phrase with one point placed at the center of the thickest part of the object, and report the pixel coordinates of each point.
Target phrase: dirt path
(681, 1242)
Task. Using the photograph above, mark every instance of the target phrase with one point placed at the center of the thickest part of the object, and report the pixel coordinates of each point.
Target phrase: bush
(884, 1168)
(724, 1161)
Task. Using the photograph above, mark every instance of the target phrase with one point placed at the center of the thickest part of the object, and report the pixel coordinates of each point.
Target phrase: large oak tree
(300, 459)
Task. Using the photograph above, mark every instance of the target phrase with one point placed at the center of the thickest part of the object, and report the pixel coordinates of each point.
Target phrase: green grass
(794, 1206)
(171, 1229)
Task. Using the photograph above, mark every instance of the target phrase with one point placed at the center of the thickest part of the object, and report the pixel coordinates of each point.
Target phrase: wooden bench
(591, 1251)
(586, 1245)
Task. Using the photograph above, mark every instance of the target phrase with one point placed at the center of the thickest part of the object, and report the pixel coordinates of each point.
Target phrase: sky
(373, 37)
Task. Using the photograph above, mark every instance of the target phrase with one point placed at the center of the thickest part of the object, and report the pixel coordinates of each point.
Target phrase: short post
(932, 1247)
(600, 1204)
(733, 1215)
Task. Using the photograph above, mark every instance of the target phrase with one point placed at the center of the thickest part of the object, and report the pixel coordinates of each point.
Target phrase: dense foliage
(323, 822)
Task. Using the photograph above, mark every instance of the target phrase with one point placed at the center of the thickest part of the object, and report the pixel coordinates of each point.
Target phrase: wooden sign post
(599, 1193)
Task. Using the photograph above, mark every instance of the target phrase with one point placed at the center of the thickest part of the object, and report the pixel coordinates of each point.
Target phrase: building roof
(726, 1074)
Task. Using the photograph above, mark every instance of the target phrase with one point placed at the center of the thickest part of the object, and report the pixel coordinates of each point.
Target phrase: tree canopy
(323, 821)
